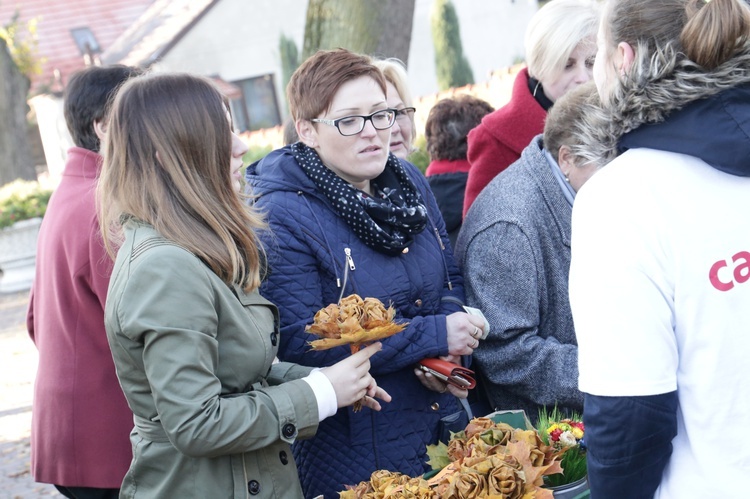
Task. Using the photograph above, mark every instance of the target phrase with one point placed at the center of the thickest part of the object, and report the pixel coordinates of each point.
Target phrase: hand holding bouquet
(354, 322)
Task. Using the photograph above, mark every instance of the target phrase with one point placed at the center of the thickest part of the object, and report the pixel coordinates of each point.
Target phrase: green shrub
(21, 200)
(255, 153)
(452, 67)
(419, 156)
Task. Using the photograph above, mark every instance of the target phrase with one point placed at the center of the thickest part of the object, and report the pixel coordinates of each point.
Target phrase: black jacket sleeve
(629, 441)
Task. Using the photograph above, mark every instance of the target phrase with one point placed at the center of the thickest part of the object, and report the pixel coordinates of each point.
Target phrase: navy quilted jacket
(307, 248)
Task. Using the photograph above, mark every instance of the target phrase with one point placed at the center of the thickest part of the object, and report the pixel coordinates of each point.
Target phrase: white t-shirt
(660, 294)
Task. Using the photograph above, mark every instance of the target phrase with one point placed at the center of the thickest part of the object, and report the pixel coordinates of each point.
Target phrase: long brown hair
(167, 157)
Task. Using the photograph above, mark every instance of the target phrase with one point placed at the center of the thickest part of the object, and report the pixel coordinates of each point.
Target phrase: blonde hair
(395, 73)
(167, 156)
(555, 31)
(571, 120)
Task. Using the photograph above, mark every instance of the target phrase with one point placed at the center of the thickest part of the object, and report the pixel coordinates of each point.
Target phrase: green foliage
(23, 49)
(419, 156)
(573, 461)
(289, 58)
(438, 455)
(451, 65)
(21, 200)
(255, 153)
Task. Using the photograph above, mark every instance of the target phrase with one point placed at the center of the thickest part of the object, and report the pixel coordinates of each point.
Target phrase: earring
(567, 179)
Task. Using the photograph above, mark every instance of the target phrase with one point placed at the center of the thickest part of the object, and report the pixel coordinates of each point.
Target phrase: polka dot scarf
(386, 222)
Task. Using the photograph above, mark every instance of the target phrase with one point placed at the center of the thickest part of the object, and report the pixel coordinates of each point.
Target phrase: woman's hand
(436, 385)
(352, 381)
(464, 331)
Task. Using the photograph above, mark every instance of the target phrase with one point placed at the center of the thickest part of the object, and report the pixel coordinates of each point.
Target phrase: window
(86, 41)
(258, 107)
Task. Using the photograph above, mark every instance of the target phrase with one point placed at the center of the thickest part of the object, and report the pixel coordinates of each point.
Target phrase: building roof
(156, 32)
(107, 20)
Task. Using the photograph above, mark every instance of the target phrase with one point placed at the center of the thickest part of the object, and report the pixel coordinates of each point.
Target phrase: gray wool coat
(514, 251)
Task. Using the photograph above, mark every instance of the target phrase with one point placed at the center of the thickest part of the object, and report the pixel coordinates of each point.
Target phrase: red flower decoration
(555, 434)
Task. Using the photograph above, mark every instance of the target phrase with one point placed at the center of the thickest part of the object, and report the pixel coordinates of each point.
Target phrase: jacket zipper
(349, 258)
(349, 266)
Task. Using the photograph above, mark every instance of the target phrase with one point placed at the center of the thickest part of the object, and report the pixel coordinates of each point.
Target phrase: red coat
(80, 420)
(497, 142)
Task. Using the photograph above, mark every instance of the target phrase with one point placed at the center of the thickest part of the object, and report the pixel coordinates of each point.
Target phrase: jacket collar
(715, 129)
(520, 119)
(441, 166)
(542, 175)
(278, 171)
(82, 163)
(671, 103)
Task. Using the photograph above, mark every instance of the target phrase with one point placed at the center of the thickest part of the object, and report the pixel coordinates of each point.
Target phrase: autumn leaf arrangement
(353, 321)
(565, 435)
(486, 460)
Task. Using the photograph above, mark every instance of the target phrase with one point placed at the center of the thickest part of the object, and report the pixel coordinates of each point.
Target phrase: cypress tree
(451, 65)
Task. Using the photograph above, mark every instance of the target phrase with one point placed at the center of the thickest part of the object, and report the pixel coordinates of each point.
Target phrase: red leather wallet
(449, 372)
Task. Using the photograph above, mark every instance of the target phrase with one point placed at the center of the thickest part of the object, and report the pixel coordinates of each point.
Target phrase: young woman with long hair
(193, 342)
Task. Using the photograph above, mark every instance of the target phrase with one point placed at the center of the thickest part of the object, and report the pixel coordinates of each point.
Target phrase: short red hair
(314, 84)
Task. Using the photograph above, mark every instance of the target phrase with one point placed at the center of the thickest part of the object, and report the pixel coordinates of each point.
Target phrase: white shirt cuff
(324, 393)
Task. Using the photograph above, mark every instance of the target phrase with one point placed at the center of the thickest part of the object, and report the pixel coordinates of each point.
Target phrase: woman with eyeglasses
(398, 97)
(346, 217)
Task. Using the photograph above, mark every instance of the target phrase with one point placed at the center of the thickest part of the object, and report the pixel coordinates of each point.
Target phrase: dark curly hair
(448, 124)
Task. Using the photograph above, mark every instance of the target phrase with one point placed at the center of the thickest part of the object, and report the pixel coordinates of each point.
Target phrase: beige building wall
(53, 131)
(211, 47)
(491, 31)
(492, 34)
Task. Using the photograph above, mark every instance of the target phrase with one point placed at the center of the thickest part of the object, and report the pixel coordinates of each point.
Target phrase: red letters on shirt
(740, 271)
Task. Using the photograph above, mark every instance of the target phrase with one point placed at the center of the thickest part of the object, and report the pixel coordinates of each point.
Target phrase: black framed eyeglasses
(405, 113)
(352, 125)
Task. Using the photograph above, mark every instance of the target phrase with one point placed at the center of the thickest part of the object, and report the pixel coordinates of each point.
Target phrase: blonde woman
(398, 97)
(514, 252)
(560, 47)
(192, 340)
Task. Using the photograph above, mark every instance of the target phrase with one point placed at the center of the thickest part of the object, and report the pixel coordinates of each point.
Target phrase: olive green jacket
(214, 417)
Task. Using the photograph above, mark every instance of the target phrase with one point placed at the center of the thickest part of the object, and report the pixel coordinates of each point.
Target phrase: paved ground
(18, 360)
